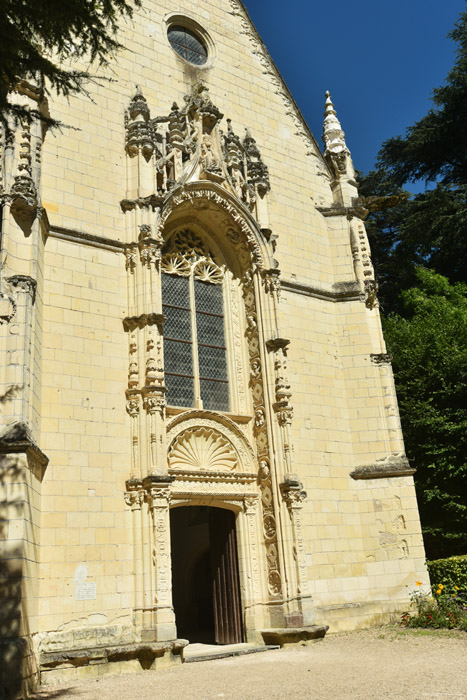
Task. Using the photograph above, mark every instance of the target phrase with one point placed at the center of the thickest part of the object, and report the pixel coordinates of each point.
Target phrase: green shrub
(450, 572)
(446, 605)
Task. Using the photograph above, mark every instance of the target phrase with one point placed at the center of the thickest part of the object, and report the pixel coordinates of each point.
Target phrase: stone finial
(138, 105)
(333, 135)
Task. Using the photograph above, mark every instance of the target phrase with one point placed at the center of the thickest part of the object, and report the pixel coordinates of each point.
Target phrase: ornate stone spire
(333, 135)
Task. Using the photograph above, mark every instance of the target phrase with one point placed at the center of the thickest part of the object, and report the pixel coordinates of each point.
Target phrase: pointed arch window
(195, 353)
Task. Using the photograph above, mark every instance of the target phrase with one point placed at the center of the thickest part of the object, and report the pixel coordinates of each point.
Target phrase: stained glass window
(178, 346)
(195, 353)
(187, 44)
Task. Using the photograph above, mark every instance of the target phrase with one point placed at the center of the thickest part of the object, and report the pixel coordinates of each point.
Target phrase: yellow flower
(438, 592)
(419, 583)
(457, 588)
(440, 585)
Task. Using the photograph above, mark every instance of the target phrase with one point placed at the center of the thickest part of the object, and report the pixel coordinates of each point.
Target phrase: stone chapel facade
(200, 432)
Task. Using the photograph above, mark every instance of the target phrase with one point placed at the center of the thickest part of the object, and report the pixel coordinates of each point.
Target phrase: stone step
(207, 652)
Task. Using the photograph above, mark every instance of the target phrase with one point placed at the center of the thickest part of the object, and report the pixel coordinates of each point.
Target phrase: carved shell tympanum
(202, 448)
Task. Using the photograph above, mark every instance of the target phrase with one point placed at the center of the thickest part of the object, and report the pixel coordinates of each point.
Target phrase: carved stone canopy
(188, 145)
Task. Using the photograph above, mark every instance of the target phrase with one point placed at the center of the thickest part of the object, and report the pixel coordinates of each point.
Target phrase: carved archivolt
(223, 201)
(202, 448)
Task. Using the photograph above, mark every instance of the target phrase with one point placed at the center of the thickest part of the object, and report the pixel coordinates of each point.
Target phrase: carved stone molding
(68, 234)
(8, 308)
(292, 491)
(23, 283)
(262, 437)
(238, 214)
(381, 358)
(227, 444)
(202, 448)
(132, 322)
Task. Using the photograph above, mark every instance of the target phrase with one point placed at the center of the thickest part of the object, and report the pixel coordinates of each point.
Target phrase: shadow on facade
(50, 694)
(12, 646)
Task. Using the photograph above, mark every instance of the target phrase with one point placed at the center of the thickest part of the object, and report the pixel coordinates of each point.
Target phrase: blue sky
(380, 61)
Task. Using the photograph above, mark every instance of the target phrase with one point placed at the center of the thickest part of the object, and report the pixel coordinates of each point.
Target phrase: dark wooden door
(225, 580)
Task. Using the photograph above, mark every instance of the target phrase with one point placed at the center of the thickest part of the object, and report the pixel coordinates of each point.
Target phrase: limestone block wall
(362, 536)
(243, 87)
(85, 546)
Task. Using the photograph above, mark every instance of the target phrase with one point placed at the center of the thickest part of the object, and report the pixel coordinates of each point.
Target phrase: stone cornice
(339, 210)
(17, 438)
(75, 236)
(341, 291)
(384, 469)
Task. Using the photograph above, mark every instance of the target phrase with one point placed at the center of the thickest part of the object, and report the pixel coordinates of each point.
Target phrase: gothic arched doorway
(205, 580)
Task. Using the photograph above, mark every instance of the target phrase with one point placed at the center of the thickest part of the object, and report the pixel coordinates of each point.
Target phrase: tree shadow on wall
(12, 646)
(18, 665)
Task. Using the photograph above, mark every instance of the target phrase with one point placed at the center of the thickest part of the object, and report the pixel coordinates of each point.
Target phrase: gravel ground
(366, 665)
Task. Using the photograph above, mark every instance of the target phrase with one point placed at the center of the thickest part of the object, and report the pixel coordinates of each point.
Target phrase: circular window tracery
(187, 44)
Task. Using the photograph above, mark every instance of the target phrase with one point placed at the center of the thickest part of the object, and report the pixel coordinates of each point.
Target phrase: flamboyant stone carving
(262, 439)
(189, 145)
(334, 138)
(185, 252)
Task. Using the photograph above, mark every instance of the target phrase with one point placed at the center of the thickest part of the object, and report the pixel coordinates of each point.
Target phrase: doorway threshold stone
(208, 652)
(294, 635)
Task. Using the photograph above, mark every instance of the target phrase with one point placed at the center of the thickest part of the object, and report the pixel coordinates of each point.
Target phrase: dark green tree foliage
(41, 40)
(424, 314)
(429, 228)
(429, 346)
(435, 148)
(383, 226)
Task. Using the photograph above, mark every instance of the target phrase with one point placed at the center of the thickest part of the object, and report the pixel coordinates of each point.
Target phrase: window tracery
(195, 352)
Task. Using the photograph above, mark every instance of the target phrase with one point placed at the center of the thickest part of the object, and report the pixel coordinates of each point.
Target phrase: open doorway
(205, 581)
